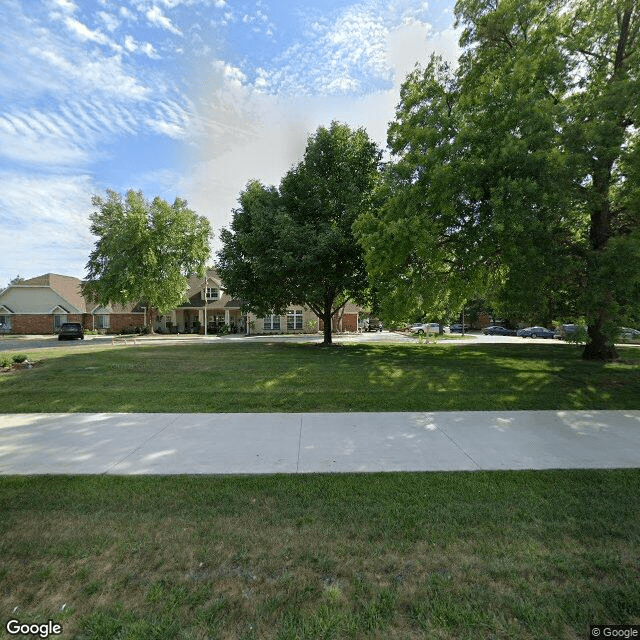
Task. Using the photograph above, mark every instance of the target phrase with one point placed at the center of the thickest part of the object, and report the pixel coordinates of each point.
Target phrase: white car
(422, 328)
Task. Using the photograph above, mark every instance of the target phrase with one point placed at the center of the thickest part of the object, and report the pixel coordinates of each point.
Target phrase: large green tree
(513, 174)
(295, 244)
(145, 251)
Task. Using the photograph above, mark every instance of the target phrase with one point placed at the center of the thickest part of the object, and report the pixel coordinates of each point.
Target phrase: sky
(183, 98)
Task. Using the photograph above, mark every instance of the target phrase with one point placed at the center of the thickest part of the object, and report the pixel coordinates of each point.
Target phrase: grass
(285, 377)
(501, 555)
(504, 555)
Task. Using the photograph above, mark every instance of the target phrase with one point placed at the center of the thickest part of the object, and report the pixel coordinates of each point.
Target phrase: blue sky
(189, 98)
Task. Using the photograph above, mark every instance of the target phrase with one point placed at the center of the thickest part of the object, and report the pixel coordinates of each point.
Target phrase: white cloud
(158, 19)
(67, 6)
(45, 219)
(83, 33)
(110, 21)
(245, 133)
(64, 103)
(126, 14)
(229, 72)
(147, 48)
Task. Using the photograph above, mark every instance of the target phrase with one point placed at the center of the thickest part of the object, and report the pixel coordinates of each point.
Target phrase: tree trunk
(598, 347)
(326, 321)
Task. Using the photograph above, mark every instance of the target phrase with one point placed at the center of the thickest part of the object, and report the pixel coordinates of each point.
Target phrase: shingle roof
(69, 288)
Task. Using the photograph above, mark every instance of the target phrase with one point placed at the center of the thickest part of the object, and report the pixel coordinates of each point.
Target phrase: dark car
(565, 331)
(71, 330)
(457, 327)
(497, 330)
(628, 334)
(536, 332)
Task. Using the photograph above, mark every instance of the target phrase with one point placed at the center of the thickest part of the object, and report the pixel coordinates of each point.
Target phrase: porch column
(226, 316)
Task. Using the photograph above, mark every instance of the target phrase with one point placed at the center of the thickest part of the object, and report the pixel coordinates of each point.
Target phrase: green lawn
(449, 556)
(301, 377)
(504, 555)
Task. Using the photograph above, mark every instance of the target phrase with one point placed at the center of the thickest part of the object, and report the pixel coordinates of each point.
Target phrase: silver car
(421, 328)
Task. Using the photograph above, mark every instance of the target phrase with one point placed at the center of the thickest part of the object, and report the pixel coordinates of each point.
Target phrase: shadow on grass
(273, 377)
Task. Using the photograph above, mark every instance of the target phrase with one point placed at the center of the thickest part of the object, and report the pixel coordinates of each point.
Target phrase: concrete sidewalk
(162, 443)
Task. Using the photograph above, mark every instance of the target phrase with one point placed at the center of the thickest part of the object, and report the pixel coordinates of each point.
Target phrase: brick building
(43, 304)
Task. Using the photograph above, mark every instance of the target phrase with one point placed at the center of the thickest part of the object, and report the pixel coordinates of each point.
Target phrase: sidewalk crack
(151, 437)
(457, 446)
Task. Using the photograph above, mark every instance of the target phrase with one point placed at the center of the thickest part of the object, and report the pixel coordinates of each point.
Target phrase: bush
(19, 357)
(5, 362)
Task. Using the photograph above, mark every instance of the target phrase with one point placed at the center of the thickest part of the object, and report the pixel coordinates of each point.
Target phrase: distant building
(43, 304)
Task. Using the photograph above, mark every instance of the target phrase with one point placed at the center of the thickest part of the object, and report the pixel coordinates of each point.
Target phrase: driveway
(24, 343)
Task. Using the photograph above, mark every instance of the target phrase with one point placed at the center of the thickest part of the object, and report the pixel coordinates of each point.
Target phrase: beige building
(209, 305)
(41, 305)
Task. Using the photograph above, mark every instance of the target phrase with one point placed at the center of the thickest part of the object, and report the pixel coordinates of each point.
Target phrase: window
(59, 319)
(5, 323)
(294, 319)
(102, 322)
(212, 294)
(271, 323)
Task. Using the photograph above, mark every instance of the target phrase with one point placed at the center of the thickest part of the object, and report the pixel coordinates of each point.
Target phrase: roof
(68, 288)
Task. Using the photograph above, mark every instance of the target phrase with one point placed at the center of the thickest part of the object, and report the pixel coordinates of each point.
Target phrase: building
(43, 304)
(206, 298)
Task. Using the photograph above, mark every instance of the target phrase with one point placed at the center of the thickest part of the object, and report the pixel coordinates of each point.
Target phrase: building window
(59, 319)
(5, 323)
(294, 320)
(271, 323)
(213, 294)
(102, 322)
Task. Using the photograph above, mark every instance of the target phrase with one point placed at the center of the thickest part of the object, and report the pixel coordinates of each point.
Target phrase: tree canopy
(294, 244)
(145, 251)
(514, 177)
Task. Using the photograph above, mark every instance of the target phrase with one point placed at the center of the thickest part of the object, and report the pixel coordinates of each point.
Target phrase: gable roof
(66, 286)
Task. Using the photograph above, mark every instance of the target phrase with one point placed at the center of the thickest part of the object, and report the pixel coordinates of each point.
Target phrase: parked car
(629, 334)
(372, 324)
(565, 331)
(497, 330)
(70, 330)
(535, 332)
(422, 328)
(457, 327)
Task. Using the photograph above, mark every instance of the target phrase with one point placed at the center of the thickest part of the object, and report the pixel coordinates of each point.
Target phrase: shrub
(19, 357)
(5, 362)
